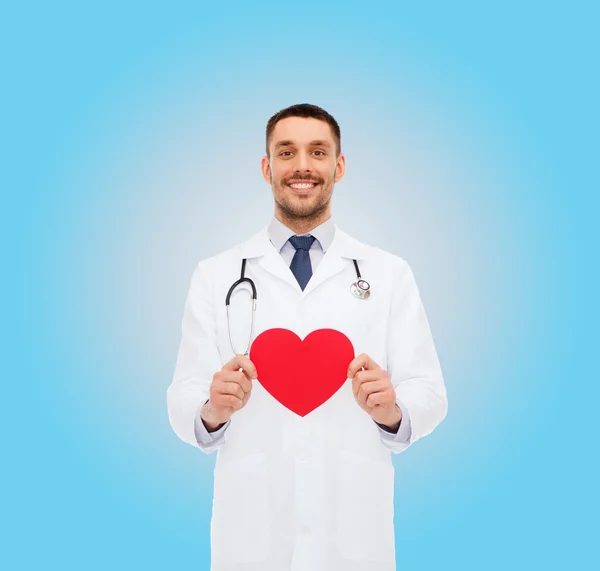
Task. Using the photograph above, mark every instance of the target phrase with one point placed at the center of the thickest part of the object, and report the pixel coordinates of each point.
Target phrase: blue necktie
(300, 265)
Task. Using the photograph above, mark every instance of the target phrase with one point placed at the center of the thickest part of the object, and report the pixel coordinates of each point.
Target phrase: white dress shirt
(279, 235)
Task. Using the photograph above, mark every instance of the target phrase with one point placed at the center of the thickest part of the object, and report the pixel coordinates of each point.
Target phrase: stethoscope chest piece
(361, 289)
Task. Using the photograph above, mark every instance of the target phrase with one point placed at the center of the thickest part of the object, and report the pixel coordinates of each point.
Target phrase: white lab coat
(311, 493)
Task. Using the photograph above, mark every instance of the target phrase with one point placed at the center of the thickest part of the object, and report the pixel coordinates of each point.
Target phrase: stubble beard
(296, 211)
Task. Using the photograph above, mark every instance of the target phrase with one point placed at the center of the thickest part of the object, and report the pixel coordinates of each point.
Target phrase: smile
(302, 188)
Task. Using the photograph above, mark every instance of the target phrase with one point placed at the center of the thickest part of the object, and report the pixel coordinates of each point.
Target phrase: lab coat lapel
(273, 262)
(337, 257)
(259, 246)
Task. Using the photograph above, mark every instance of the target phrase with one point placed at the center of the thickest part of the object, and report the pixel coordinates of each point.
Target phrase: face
(303, 167)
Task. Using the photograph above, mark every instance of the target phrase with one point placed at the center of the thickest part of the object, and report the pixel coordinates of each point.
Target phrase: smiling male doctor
(313, 492)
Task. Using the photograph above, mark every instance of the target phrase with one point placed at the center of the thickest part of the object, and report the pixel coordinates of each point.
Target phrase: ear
(265, 167)
(340, 168)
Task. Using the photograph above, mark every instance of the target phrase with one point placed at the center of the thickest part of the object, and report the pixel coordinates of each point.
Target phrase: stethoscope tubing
(227, 299)
(360, 289)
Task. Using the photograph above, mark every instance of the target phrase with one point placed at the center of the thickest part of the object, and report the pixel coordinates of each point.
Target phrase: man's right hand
(229, 392)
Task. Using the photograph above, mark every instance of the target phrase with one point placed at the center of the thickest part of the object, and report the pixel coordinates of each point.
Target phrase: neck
(304, 224)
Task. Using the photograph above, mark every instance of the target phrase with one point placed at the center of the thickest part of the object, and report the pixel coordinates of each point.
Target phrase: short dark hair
(306, 110)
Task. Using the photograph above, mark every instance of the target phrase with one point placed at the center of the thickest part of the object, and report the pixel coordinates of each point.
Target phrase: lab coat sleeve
(413, 365)
(197, 362)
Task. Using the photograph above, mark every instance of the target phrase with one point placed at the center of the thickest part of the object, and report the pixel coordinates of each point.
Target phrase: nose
(302, 163)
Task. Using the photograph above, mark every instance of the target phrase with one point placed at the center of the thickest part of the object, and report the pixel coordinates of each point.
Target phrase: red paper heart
(301, 374)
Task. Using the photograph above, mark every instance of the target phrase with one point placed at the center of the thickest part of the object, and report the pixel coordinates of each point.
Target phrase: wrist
(210, 423)
(393, 427)
(394, 423)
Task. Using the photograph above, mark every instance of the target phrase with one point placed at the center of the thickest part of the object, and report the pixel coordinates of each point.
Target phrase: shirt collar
(279, 233)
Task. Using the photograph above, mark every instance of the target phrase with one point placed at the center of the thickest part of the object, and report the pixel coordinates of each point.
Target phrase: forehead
(301, 130)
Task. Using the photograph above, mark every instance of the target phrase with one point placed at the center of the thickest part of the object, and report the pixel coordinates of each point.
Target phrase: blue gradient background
(131, 141)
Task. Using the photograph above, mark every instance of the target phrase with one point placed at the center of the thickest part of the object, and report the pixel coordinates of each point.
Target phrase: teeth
(302, 186)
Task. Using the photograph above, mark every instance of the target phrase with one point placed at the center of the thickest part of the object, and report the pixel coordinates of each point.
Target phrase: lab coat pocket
(365, 508)
(241, 526)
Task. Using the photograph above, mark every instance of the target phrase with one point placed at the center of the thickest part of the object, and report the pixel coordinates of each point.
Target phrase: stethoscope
(360, 289)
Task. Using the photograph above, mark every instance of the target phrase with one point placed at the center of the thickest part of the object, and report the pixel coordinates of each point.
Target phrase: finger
(229, 388)
(238, 377)
(231, 369)
(241, 362)
(246, 397)
(369, 388)
(363, 377)
(243, 382)
(241, 378)
(363, 360)
(227, 401)
(380, 398)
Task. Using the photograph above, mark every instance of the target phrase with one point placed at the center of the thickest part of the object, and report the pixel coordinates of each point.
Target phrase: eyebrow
(315, 143)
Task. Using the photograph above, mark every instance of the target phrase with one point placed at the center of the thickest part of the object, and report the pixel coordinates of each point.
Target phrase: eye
(320, 152)
(284, 152)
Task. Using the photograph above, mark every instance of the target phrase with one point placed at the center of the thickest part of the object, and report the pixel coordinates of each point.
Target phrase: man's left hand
(374, 392)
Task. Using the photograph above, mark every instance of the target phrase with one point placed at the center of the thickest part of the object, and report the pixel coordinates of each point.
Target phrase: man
(310, 489)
